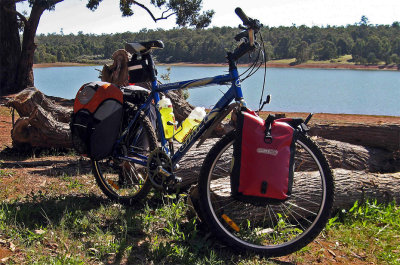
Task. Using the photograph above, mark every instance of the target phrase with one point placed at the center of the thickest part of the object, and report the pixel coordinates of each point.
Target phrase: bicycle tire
(123, 181)
(269, 230)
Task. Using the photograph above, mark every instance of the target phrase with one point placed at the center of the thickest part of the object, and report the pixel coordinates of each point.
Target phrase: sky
(72, 16)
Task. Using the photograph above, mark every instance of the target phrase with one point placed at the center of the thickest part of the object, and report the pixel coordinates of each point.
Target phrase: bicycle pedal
(177, 179)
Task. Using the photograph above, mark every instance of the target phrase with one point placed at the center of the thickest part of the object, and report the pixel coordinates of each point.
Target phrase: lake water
(292, 90)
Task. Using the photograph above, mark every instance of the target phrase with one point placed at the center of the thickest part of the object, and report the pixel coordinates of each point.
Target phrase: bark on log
(385, 136)
(30, 98)
(339, 155)
(356, 157)
(40, 129)
(117, 73)
(43, 123)
(350, 186)
(360, 185)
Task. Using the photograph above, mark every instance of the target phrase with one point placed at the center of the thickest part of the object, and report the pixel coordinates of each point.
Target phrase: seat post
(153, 71)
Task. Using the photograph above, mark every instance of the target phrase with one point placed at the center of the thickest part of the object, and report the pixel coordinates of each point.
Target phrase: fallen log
(357, 157)
(360, 186)
(41, 129)
(350, 186)
(339, 154)
(45, 123)
(118, 74)
(385, 136)
(42, 122)
(27, 101)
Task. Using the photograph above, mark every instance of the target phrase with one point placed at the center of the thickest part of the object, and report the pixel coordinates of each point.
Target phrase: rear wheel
(122, 180)
(274, 229)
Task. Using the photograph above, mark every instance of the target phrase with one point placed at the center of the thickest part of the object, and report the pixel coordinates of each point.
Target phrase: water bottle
(167, 117)
(191, 122)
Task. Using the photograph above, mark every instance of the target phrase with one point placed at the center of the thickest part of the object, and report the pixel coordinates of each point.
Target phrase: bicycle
(271, 230)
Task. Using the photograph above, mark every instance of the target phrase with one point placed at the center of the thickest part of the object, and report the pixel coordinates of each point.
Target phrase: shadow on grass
(135, 244)
(26, 152)
(52, 166)
(42, 211)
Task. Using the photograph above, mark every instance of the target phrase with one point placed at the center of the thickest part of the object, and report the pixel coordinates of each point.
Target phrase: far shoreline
(271, 64)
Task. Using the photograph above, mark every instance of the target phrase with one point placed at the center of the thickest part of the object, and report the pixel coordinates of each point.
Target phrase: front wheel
(274, 229)
(122, 180)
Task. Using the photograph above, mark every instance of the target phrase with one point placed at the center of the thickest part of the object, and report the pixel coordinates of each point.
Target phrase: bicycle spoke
(290, 212)
(302, 208)
(304, 199)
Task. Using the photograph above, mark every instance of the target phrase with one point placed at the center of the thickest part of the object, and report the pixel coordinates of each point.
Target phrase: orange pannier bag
(96, 119)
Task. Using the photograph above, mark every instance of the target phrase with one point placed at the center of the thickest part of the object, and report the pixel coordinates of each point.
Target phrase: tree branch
(22, 17)
(151, 14)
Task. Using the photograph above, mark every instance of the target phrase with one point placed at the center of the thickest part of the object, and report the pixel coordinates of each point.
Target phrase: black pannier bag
(139, 70)
(137, 96)
(96, 119)
(263, 159)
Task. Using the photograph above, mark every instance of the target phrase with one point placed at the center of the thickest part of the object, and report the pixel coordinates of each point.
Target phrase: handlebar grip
(242, 16)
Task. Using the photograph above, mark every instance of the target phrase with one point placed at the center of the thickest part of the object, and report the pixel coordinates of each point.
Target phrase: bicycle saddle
(143, 46)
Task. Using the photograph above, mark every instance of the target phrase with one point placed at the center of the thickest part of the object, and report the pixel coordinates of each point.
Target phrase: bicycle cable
(251, 67)
(262, 104)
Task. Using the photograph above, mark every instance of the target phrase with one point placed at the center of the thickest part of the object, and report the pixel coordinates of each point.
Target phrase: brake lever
(241, 35)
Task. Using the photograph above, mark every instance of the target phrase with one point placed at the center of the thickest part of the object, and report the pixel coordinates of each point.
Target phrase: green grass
(345, 59)
(88, 229)
(284, 61)
(372, 230)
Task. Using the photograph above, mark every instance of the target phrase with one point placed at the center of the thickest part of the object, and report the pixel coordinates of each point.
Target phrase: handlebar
(242, 16)
(249, 22)
(252, 27)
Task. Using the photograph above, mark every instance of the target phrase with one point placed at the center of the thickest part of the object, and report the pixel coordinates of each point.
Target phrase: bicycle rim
(121, 179)
(272, 229)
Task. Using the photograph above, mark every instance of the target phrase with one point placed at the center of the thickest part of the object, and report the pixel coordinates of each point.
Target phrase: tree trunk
(28, 100)
(339, 154)
(25, 66)
(10, 48)
(117, 73)
(47, 125)
(386, 136)
(43, 123)
(350, 186)
(357, 157)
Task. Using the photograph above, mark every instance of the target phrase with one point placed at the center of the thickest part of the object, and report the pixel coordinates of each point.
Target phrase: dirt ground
(24, 175)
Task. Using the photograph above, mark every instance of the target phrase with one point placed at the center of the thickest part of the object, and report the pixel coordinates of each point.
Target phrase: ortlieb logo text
(266, 151)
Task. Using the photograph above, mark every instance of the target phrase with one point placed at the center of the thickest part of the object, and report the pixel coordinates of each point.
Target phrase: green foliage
(187, 12)
(369, 227)
(76, 229)
(366, 43)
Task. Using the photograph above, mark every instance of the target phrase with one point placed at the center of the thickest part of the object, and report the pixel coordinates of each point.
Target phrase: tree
(327, 51)
(282, 50)
(358, 51)
(302, 52)
(17, 58)
(364, 21)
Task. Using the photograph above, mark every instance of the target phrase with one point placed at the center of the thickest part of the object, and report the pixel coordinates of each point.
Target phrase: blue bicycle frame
(234, 92)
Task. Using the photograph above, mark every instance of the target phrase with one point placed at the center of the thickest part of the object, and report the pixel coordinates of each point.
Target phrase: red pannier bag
(263, 159)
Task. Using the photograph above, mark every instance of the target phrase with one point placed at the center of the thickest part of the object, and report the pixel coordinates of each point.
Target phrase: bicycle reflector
(230, 222)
